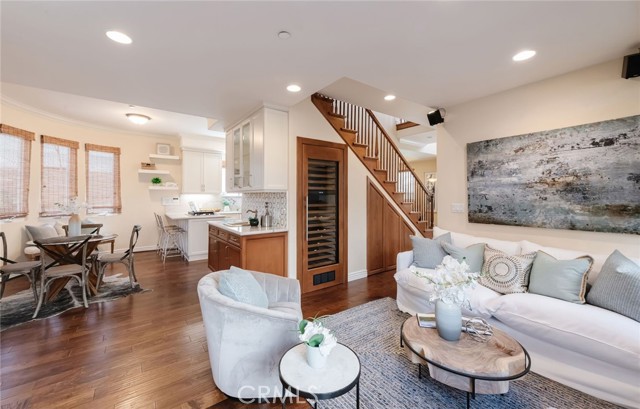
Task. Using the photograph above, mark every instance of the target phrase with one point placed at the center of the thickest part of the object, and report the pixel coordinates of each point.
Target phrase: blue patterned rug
(388, 380)
(18, 308)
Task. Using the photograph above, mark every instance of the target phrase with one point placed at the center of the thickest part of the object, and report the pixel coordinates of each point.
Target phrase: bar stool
(170, 240)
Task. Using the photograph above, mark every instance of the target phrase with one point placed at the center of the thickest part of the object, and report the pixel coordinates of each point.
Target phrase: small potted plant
(320, 341)
(156, 181)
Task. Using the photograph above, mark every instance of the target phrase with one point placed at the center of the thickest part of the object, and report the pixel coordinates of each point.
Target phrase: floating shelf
(170, 157)
(153, 171)
(164, 188)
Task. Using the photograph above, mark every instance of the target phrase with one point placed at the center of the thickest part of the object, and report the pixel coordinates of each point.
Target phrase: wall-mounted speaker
(436, 116)
(631, 66)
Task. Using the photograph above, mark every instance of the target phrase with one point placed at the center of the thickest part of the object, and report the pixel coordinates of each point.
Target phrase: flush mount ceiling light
(119, 37)
(389, 97)
(293, 88)
(283, 35)
(523, 55)
(138, 119)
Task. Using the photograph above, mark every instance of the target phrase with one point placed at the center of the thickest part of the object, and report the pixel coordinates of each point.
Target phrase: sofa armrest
(404, 260)
(279, 289)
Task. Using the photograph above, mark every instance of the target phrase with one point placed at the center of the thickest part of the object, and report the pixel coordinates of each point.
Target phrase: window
(103, 179)
(59, 174)
(15, 157)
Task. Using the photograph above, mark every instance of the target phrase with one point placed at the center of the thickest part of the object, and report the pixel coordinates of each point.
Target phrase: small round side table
(339, 375)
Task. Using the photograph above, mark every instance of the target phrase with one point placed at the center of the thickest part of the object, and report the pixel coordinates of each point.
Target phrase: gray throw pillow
(429, 253)
(505, 273)
(44, 231)
(473, 255)
(617, 287)
(562, 279)
(241, 285)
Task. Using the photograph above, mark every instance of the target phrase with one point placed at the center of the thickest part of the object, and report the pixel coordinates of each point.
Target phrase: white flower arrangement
(449, 281)
(315, 334)
(72, 206)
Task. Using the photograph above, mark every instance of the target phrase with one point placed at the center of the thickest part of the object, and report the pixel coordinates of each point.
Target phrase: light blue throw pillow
(617, 287)
(472, 255)
(241, 285)
(429, 253)
(563, 279)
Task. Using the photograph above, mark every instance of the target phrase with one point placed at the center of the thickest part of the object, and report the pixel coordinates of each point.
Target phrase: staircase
(360, 129)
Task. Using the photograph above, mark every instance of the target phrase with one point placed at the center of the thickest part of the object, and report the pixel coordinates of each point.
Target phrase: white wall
(138, 203)
(594, 94)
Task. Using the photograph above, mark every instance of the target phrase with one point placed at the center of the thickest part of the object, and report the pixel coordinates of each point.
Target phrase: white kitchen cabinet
(257, 152)
(201, 171)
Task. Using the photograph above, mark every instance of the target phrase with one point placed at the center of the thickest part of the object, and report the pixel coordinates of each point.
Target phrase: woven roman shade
(59, 174)
(15, 159)
(103, 179)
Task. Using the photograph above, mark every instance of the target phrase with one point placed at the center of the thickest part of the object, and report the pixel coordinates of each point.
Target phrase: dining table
(63, 250)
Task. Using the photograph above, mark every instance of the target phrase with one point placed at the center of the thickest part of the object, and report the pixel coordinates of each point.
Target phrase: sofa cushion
(240, 285)
(583, 328)
(429, 253)
(563, 279)
(506, 273)
(466, 240)
(472, 255)
(44, 231)
(564, 254)
(618, 286)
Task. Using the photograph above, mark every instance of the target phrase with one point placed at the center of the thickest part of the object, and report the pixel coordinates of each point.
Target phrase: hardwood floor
(143, 351)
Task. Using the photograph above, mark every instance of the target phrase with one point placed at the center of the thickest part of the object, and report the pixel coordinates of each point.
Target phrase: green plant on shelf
(156, 181)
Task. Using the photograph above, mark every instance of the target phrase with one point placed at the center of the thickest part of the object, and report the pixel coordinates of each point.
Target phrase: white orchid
(449, 281)
(315, 334)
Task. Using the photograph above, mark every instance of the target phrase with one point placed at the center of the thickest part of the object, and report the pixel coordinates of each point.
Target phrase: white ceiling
(222, 59)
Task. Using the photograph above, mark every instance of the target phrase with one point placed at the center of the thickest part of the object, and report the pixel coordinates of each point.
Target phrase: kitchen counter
(247, 230)
(185, 216)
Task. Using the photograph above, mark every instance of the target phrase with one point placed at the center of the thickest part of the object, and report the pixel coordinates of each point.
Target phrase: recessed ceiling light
(524, 55)
(119, 37)
(138, 119)
(389, 97)
(293, 88)
(283, 35)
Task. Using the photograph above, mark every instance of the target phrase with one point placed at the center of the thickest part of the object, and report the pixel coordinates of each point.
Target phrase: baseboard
(357, 275)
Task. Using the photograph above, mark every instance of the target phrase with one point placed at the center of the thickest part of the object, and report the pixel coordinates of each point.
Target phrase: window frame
(23, 190)
(97, 208)
(72, 173)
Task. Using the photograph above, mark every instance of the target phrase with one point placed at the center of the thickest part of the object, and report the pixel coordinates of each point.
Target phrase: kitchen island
(194, 241)
(257, 248)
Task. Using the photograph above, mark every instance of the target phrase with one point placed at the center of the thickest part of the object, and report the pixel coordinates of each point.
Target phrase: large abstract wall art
(585, 177)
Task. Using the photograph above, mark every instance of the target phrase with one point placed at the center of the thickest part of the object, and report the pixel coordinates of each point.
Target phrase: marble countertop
(247, 230)
(185, 216)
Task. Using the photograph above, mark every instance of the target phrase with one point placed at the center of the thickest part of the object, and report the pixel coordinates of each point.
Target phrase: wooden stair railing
(366, 137)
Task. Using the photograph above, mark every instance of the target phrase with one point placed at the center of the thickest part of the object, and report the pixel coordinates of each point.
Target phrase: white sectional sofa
(583, 346)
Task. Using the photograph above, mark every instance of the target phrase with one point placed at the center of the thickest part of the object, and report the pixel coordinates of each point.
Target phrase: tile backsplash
(277, 205)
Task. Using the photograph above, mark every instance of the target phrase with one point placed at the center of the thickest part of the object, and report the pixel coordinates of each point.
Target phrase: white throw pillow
(465, 240)
(506, 273)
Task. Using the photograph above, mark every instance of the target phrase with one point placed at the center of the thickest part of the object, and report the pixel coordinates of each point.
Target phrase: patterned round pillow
(504, 273)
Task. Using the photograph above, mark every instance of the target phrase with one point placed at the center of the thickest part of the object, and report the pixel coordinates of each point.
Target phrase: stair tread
(348, 130)
(364, 145)
(333, 114)
(369, 158)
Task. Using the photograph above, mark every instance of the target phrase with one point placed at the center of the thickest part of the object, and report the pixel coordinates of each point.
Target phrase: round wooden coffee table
(466, 364)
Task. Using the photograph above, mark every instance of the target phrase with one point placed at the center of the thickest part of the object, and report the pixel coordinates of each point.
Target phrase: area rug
(18, 308)
(388, 380)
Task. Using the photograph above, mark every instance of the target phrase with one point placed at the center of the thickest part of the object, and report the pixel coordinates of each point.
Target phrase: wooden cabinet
(201, 171)
(260, 252)
(387, 233)
(257, 148)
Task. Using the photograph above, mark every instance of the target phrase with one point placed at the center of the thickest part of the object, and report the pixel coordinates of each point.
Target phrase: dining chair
(126, 258)
(11, 269)
(63, 257)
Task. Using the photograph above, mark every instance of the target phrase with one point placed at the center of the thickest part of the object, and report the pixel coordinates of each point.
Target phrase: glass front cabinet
(257, 152)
